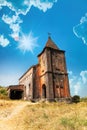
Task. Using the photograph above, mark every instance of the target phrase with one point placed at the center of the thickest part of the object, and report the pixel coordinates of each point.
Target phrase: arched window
(43, 91)
(29, 90)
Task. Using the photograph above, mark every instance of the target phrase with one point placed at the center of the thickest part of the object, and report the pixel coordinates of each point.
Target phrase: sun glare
(28, 42)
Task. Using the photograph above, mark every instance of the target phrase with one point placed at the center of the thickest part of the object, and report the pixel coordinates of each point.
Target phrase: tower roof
(51, 44)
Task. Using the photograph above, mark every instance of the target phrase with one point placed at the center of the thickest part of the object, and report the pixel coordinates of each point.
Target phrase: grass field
(23, 115)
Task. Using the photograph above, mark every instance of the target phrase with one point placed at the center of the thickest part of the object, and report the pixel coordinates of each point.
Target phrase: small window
(61, 83)
(57, 69)
(57, 86)
(61, 86)
(54, 77)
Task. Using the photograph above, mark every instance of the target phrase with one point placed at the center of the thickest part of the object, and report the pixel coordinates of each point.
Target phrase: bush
(3, 93)
(76, 99)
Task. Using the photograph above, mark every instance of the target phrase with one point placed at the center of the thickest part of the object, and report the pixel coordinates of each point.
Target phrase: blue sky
(24, 27)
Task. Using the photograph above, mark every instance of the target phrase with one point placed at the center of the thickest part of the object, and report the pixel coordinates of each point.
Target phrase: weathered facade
(49, 78)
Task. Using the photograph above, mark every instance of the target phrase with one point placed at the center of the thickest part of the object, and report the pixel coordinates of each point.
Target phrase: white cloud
(83, 74)
(27, 42)
(70, 72)
(5, 3)
(0, 7)
(23, 7)
(14, 24)
(78, 83)
(14, 21)
(15, 36)
(10, 20)
(3, 41)
(15, 31)
(84, 19)
(77, 88)
(15, 27)
(42, 5)
(80, 30)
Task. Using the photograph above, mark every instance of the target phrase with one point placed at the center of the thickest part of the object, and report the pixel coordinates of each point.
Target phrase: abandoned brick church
(46, 80)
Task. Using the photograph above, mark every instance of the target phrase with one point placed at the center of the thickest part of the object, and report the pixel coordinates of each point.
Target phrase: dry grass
(22, 115)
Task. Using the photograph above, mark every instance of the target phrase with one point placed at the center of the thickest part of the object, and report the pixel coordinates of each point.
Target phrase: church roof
(51, 44)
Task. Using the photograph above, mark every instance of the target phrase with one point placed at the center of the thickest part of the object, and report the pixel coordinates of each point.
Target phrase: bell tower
(53, 72)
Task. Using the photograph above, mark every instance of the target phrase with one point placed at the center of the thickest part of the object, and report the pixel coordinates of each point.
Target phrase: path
(13, 119)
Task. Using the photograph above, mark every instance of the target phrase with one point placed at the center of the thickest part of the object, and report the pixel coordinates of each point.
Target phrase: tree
(76, 99)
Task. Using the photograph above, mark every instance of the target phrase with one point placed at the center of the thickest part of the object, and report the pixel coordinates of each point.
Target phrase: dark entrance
(16, 94)
(44, 91)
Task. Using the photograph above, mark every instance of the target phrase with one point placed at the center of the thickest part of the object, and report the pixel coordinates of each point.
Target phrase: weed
(68, 123)
(45, 116)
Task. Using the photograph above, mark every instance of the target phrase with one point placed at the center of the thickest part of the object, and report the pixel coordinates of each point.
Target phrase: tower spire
(49, 35)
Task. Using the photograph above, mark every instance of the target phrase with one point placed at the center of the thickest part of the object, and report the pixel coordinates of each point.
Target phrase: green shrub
(76, 99)
(3, 93)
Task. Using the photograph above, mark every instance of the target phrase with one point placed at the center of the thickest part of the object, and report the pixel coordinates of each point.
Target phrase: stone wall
(27, 81)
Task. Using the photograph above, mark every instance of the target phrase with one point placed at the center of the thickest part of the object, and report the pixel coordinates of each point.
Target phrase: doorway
(44, 91)
(16, 94)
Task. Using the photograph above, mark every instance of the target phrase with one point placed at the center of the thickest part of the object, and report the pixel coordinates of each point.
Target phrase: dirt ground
(11, 114)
